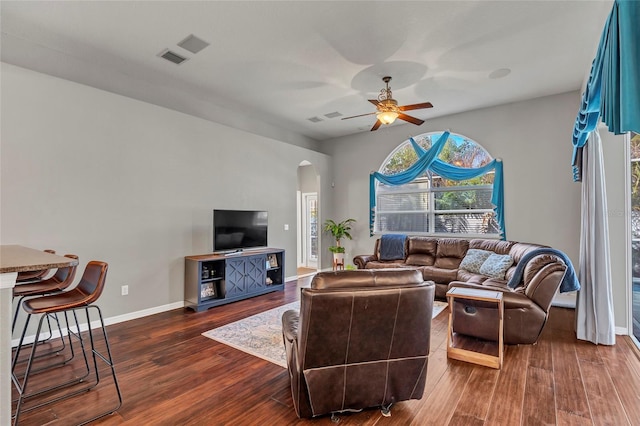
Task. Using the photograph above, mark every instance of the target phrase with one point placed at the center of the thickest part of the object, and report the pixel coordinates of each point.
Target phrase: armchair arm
(290, 321)
(361, 260)
(540, 273)
(299, 392)
(542, 279)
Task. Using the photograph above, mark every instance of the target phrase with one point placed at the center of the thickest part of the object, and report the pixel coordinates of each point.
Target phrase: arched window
(431, 204)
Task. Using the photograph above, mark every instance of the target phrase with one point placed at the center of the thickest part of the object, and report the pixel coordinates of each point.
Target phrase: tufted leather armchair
(361, 339)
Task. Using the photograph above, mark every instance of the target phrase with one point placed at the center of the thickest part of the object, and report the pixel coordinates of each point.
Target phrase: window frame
(432, 213)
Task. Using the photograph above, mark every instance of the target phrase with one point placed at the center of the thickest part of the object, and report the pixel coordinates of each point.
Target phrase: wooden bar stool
(62, 279)
(57, 283)
(81, 297)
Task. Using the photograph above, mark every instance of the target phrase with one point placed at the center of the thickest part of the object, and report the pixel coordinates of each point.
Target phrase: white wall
(107, 177)
(307, 179)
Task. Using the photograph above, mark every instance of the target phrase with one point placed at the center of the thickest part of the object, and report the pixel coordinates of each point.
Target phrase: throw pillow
(496, 265)
(474, 259)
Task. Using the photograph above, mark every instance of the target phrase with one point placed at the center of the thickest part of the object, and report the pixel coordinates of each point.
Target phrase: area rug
(261, 335)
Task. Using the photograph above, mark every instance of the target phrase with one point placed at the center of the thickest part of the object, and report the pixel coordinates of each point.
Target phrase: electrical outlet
(125, 290)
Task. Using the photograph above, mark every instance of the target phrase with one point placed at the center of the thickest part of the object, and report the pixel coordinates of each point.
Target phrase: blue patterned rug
(261, 334)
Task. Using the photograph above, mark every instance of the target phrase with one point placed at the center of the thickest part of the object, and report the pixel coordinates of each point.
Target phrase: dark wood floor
(171, 375)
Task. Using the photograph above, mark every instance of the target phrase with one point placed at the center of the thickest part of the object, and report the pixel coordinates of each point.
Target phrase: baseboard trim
(563, 304)
(109, 321)
(565, 300)
(140, 314)
(622, 331)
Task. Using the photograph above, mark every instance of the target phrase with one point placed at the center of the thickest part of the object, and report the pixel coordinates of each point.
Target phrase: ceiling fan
(388, 109)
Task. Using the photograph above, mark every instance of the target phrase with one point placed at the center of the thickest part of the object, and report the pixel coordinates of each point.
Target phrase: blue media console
(216, 279)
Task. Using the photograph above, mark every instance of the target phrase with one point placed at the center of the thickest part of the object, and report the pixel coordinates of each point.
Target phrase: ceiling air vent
(172, 57)
(333, 114)
(314, 119)
(193, 44)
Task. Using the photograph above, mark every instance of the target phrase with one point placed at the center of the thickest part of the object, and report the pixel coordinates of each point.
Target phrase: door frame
(305, 238)
(629, 239)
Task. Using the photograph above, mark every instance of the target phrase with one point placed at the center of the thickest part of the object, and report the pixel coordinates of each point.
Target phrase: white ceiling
(272, 65)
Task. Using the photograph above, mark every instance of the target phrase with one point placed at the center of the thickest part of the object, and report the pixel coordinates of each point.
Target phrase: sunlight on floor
(304, 272)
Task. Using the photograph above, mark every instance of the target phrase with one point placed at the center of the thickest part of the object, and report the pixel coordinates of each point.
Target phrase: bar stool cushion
(86, 292)
(58, 282)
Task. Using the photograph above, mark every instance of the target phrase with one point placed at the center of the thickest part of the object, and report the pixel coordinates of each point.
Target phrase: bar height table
(14, 259)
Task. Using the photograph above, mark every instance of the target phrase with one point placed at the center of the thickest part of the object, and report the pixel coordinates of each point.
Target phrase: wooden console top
(221, 256)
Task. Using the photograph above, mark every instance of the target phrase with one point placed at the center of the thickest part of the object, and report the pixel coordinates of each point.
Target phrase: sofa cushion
(474, 259)
(439, 275)
(470, 277)
(365, 278)
(378, 264)
(496, 265)
(450, 252)
(496, 246)
(420, 260)
(423, 245)
(422, 251)
(497, 283)
(518, 250)
(510, 272)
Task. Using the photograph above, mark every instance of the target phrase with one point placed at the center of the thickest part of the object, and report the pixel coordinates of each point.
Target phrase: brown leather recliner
(526, 308)
(361, 339)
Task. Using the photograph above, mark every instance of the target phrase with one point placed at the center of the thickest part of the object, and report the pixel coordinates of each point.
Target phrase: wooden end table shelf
(338, 264)
(470, 349)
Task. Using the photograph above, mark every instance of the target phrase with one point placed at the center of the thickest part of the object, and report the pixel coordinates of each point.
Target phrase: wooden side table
(470, 349)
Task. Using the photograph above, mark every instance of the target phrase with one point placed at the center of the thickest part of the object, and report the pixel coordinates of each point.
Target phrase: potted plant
(338, 230)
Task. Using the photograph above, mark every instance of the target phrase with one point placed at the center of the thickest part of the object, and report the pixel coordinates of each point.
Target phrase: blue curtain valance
(613, 89)
(427, 160)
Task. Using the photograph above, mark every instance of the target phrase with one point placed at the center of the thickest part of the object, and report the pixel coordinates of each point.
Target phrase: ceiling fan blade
(416, 106)
(410, 119)
(361, 115)
(374, 101)
(377, 124)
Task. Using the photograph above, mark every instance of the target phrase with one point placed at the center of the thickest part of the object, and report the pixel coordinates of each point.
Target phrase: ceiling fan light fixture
(387, 117)
(388, 109)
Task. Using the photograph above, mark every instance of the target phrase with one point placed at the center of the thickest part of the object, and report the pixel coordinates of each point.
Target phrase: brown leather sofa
(526, 304)
(361, 339)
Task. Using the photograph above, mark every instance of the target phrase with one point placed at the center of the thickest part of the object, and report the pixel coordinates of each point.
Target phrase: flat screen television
(239, 229)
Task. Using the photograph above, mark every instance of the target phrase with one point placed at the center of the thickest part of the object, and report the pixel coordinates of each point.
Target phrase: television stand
(219, 278)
